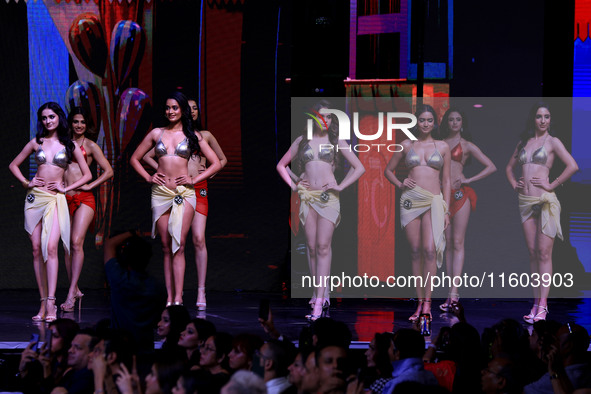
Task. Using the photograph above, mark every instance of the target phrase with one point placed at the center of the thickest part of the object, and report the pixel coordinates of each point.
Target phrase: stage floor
(237, 312)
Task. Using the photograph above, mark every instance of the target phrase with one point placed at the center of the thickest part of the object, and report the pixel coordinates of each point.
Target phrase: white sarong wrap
(41, 205)
(415, 202)
(163, 199)
(548, 208)
(327, 204)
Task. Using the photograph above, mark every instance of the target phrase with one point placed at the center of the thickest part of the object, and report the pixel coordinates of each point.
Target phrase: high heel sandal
(415, 316)
(69, 305)
(315, 316)
(529, 319)
(201, 306)
(39, 317)
(49, 317)
(541, 309)
(447, 306)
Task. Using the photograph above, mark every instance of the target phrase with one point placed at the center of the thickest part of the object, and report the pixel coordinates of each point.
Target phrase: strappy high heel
(541, 309)
(39, 317)
(69, 305)
(447, 306)
(50, 317)
(529, 319)
(315, 316)
(201, 306)
(415, 316)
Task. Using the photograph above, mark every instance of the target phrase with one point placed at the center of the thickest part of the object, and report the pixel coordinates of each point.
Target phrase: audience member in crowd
(214, 357)
(193, 337)
(79, 379)
(568, 363)
(41, 370)
(245, 382)
(501, 376)
(243, 349)
(136, 297)
(107, 359)
(409, 346)
(378, 362)
(173, 321)
(163, 376)
(274, 358)
(311, 378)
(297, 370)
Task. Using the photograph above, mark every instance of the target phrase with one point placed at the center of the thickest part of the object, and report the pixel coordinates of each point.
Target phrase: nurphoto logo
(345, 129)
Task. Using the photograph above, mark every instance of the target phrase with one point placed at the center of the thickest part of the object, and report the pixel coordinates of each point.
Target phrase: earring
(461, 129)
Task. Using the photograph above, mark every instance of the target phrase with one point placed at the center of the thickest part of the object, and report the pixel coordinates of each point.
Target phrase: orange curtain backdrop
(582, 19)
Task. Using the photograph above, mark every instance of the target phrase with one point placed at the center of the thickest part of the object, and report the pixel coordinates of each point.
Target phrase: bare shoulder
(206, 134)
(555, 142)
(407, 143)
(442, 146)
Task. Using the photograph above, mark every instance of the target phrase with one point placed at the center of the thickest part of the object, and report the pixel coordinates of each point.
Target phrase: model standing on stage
(319, 193)
(81, 202)
(423, 205)
(172, 186)
(538, 205)
(455, 132)
(198, 164)
(46, 209)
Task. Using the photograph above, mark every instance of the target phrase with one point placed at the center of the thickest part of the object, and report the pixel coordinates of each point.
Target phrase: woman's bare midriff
(319, 174)
(426, 178)
(49, 173)
(172, 167)
(529, 171)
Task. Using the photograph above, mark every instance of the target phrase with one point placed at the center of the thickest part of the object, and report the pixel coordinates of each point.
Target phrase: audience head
(311, 377)
(408, 343)
(297, 370)
(326, 331)
(378, 353)
(243, 349)
(501, 376)
(333, 367)
(134, 254)
(163, 376)
(573, 342)
(214, 353)
(274, 358)
(195, 333)
(82, 345)
(63, 332)
(173, 321)
(245, 382)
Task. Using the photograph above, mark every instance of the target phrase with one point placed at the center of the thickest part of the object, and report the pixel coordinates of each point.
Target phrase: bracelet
(553, 376)
(26, 183)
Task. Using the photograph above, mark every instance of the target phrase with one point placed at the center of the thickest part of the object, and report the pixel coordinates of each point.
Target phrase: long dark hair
(530, 129)
(62, 128)
(333, 135)
(197, 126)
(87, 118)
(444, 127)
(186, 120)
(179, 318)
(427, 108)
(67, 329)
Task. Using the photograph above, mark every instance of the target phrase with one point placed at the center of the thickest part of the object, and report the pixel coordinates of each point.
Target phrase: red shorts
(202, 205)
(86, 198)
(458, 198)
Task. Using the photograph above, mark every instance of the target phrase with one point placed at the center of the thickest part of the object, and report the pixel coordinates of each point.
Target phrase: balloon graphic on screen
(133, 106)
(87, 40)
(127, 48)
(87, 95)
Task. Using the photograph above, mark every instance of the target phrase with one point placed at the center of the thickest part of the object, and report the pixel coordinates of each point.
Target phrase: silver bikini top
(325, 154)
(539, 157)
(413, 160)
(183, 149)
(60, 159)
